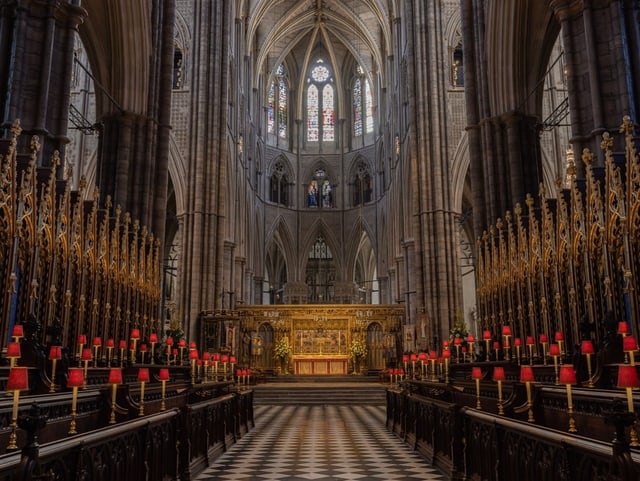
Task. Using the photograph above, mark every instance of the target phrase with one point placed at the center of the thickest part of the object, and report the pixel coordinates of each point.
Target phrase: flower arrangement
(358, 348)
(282, 349)
(459, 330)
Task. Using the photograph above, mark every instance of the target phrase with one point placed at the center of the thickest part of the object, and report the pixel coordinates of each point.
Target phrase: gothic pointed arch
(319, 186)
(281, 179)
(360, 182)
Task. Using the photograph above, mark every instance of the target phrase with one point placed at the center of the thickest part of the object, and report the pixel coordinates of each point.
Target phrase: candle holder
(496, 349)
(628, 380)
(506, 333)
(163, 375)
(169, 344)
(470, 342)
(476, 374)
(422, 357)
(530, 344)
(74, 381)
(55, 353)
(456, 343)
(499, 376)
(560, 340)
(13, 353)
(110, 345)
(216, 360)
(225, 359)
(143, 377)
(206, 360)
(517, 343)
(526, 376)
(193, 357)
(153, 339)
(568, 378)
(433, 357)
(122, 345)
(181, 345)
(97, 342)
(115, 378)
(486, 336)
(18, 381)
(447, 356)
(543, 341)
(135, 336)
(86, 358)
(82, 340)
(143, 353)
(17, 333)
(405, 360)
(630, 346)
(413, 366)
(586, 348)
(554, 352)
(232, 362)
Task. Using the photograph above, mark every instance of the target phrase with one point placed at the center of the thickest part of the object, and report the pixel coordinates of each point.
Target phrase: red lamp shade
(526, 374)
(554, 350)
(627, 376)
(13, 350)
(422, 356)
(446, 354)
(405, 358)
(567, 374)
(530, 341)
(486, 335)
(182, 343)
(143, 347)
(225, 358)
(498, 373)
(163, 375)
(175, 352)
(506, 330)
(629, 344)
(544, 338)
(206, 356)
(192, 346)
(414, 358)
(153, 337)
(496, 345)
(143, 374)
(82, 339)
(135, 334)
(132, 346)
(76, 377)
(216, 357)
(559, 336)
(97, 342)
(86, 354)
(169, 341)
(18, 331)
(476, 373)
(111, 343)
(586, 347)
(232, 359)
(457, 341)
(517, 341)
(471, 339)
(122, 344)
(464, 349)
(199, 362)
(55, 352)
(115, 375)
(445, 343)
(18, 379)
(433, 355)
(193, 355)
(623, 328)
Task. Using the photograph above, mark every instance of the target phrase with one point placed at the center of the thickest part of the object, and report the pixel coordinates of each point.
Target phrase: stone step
(360, 393)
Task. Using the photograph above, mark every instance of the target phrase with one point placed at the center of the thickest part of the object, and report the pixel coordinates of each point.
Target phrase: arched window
(178, 79)
(361, 185)
(277, 104)
(320, 273)
(362, 104)
(278, 185)
(320, 123)
(319, 191)
(457, 67)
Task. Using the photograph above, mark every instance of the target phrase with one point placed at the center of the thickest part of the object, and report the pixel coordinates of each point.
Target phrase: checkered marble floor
(320, 443)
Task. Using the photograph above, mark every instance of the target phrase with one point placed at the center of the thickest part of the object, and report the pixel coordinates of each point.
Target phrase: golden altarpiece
(319, 337)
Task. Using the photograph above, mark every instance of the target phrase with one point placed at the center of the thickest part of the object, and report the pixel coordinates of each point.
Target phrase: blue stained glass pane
(312, 114)
(327, 113)
(271, 100)
(357, 108)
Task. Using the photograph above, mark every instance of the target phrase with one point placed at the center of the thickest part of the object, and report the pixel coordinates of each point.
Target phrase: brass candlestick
(590, 381)
(52, 388)
(500, 406)
(572, 421)
(114, 389)
(530, 417)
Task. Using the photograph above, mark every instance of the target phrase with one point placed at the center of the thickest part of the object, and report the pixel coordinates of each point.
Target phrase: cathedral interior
(201, 196)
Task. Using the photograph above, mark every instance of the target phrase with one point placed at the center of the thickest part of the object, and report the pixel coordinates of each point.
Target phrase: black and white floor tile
(320, 443)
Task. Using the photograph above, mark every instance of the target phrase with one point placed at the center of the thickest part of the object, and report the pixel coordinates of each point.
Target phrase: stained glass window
(320, 73)
(327, 113)
(312, 113)
(277, 104)
(362, 104)
(368, 107)
(357, 107)
(271, 100)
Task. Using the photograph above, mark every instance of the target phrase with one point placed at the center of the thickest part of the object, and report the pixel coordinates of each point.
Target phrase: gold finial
(16, 130)
(627, 126)
(34, 145)
(518, 209)
(507, 217)
(542, 192)
(587, 156)
(607, 141)
(108, 203)
(499, 224)
(529, 201)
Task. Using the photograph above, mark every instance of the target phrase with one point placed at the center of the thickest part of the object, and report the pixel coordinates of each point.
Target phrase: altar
(320, 366)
